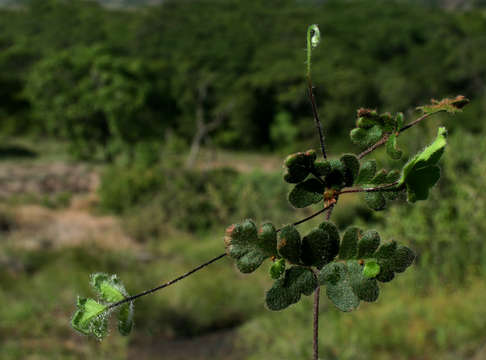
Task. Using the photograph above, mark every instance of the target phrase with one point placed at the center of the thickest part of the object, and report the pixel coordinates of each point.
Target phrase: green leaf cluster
(349, 268)
(346, 285)
(317, 248)
(288, 290)
(298, 166)
(250, 246)
(362, 261)
(327, 174)
(91, 316)
(361, 264)
(369, 177)
(371, 127)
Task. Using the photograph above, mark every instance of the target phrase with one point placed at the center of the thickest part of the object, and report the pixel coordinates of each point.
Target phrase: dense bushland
(160, 70)
(191, 200)
(191, 66)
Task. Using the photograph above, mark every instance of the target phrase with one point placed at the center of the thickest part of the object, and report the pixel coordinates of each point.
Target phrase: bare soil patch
(37, 226)
(45, 179)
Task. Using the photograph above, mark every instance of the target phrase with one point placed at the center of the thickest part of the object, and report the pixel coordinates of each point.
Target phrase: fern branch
(199, 267)
(384, 139)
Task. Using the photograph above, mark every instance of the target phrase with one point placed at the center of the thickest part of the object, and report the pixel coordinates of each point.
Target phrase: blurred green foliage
(117, 83)
(445, 324)
(122, 76)
(93, 99)
(190, 200)
(446, 234)
(446, 231)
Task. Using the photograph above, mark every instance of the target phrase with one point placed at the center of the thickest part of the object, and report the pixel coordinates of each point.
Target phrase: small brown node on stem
(368, 113)
(228, 236)
(330, 196)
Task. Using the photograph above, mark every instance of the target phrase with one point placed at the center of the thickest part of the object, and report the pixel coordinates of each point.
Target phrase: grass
(219, 313)
(37, 303)
(38, 298)
(444, 324)
(33, 150)
(405, 324)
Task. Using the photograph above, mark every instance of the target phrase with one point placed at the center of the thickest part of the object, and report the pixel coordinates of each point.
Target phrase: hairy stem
(317, 292)
(199, 267)
(409, 125)
(313, 33)
(375, 146)
(146, 292)
(384, 139)
(310, 216)
(331, 208)
(316, 323)
(316, 117)
(386, 187)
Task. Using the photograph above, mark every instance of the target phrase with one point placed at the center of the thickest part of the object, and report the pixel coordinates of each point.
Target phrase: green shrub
(123, 187)
(157, 198)
(95, 98)
(447, 231)
(352, 265)
(444, 324)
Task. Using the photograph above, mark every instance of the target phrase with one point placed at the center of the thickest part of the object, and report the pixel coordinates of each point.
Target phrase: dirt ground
(34, 226)
(37, 226)
(216, 345)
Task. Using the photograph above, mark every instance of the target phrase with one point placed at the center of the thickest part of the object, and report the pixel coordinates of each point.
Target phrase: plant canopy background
(131, 136)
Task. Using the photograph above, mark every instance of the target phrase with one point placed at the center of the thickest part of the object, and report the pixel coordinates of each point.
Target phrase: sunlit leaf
(371, 269)
(109, 287)
(421, 173)
(86, 318)
(277, 269)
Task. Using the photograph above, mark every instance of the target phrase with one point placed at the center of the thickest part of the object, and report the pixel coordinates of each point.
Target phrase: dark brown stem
(409, 125)
(160, 287)
(331, 208)
(378, 188)
(316, 117)
(310, 216)
(375, 146)
(316, 322)
(146, 292)
(386, 136)
(317, 292)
